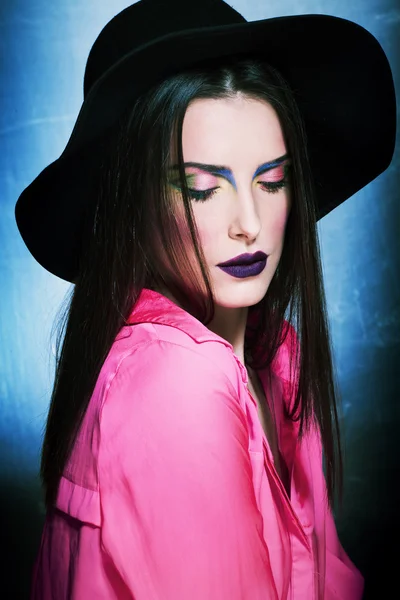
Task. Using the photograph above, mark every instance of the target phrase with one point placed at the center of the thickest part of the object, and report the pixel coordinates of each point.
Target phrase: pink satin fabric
(171, 492)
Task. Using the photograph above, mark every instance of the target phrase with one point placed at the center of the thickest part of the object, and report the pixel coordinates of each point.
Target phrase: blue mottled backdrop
(44, 46)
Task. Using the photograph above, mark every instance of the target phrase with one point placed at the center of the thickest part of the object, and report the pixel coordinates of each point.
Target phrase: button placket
(286, 500)
(304, 529)
(270, 464)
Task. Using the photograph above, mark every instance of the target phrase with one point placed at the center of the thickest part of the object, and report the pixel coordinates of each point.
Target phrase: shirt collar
(153, 307)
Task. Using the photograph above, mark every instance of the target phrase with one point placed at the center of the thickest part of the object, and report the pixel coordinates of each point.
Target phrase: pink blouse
(171, 491)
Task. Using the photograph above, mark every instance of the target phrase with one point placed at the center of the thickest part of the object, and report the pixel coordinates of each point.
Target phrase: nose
(246, 222)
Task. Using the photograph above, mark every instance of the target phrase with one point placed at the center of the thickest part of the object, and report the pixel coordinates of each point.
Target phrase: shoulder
(155, 365)
(287, 350)
(286, 363)
(166, 397)
(156, 342)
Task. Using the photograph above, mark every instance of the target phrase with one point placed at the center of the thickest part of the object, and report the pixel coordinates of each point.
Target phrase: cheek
(206, 226)
(205, 236)
(280, 223)
(278, 220)
(203, 225)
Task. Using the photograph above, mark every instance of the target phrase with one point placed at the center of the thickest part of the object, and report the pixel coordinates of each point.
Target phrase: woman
(194, 400)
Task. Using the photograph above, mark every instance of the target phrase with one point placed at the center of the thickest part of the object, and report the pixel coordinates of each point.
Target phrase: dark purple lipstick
(245, 265)
(244, 259)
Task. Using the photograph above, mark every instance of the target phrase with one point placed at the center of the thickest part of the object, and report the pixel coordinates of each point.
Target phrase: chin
(240, 293)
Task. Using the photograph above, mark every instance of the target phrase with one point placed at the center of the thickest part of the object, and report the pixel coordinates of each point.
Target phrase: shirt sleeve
(179, 514)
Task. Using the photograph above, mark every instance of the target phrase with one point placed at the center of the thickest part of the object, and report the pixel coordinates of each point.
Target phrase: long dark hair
(134, 222)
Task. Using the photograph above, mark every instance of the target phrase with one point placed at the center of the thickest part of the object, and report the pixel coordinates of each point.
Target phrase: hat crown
(145, 21)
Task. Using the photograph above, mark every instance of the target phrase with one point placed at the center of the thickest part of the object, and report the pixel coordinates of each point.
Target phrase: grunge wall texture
(43, 49)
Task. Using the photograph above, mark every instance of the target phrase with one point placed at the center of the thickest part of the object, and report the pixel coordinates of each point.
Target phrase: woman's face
(249, 204)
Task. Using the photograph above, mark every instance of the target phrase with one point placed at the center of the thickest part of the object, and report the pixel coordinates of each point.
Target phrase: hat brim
(339, 75)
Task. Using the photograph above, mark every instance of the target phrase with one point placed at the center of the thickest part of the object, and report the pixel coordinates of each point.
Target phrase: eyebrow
(226, 172)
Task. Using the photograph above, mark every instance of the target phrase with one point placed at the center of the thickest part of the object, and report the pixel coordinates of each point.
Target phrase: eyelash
(203, 195)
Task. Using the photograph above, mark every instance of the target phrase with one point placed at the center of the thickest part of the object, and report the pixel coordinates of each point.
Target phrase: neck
(230, 324)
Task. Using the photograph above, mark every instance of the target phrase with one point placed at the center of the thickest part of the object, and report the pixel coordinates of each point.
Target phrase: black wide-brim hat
(338, 72)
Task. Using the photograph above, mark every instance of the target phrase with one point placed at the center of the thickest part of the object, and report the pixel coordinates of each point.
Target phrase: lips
(244, 259)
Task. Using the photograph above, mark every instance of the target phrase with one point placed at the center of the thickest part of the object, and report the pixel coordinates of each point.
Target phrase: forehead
(235, 129)
(240, 111)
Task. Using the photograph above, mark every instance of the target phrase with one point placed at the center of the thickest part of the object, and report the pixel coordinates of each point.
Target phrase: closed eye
(271, 187)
